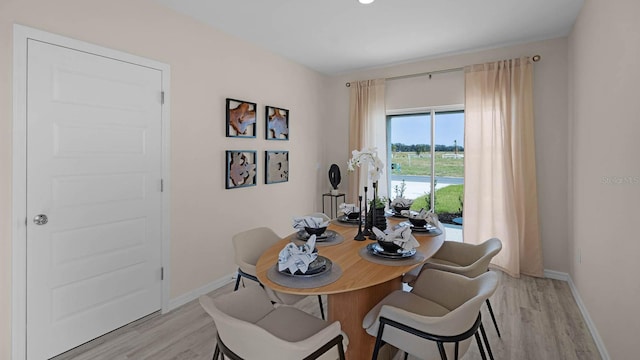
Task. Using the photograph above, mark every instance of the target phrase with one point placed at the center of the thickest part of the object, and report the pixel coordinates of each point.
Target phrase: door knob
(40, 219)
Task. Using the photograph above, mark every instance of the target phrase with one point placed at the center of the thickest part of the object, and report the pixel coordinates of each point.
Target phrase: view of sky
(416, 129)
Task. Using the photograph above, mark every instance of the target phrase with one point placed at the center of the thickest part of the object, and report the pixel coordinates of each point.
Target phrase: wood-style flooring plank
(538, 319)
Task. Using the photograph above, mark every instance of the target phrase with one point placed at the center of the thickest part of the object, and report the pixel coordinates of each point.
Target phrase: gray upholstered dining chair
(250, 327)
(464, 259)
(248, 246)
(436, 319)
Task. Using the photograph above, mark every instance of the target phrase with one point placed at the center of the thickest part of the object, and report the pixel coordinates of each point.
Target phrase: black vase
(379, 220)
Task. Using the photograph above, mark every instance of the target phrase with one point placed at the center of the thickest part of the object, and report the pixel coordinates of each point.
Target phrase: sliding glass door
(427, 161)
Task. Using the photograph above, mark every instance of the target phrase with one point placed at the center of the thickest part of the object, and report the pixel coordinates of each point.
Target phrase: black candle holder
(366, 231)
(360, 236)
(374, 212)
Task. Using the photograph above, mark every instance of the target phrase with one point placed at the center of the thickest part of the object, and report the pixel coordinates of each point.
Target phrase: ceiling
(339, 36)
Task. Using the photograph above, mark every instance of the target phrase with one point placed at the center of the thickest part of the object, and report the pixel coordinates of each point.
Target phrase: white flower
(369, 158)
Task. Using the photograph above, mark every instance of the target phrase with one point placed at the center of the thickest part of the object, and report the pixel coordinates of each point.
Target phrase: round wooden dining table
(361, 286)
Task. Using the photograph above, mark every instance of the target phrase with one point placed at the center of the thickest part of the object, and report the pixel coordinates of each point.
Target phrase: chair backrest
(463, 296)
(235, 316)
(484, 253)
(249, 245)
(465, 314)
(472, 260)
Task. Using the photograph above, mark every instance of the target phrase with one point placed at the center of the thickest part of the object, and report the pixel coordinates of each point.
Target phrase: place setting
(422, 222)
(397, 206)
(300, 266)
(308, 226)
(350, 215)
(395, 247)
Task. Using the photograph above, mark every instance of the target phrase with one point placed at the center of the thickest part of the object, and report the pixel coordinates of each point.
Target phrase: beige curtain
(500, 198)
(367, 128)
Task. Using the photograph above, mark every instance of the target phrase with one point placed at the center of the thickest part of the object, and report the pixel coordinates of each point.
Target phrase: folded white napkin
(430, 216)
(308, 221)
(349, 208)
(294, 257)
(422, 214)
(400, 236)
(401, 202)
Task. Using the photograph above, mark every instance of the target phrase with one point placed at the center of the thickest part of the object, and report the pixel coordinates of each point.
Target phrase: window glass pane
(449, 164)
(410, 155)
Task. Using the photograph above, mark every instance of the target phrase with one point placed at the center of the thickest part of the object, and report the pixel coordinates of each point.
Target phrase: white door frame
(21, 34)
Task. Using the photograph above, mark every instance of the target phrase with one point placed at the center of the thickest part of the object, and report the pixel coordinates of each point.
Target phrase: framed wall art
(277, 120)
(241, 168)
(241, 118)
(277, 166)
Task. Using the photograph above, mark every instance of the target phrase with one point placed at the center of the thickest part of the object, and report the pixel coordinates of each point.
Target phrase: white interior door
(94, 165)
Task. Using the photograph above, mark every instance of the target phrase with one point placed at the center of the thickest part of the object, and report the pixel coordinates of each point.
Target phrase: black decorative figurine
(360, 235)
(334, 178)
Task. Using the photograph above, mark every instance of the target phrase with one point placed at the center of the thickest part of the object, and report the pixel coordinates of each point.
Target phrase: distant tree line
(422, 148)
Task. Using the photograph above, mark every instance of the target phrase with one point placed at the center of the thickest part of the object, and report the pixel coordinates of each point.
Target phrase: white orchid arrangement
(369, 158)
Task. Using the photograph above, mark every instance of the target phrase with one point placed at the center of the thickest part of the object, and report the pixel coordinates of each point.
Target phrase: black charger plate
(319, 266)
(377, 250)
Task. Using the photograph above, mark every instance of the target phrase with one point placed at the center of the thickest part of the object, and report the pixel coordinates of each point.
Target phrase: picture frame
(241, 168)
(276, 166)
(241, 118)
(276, 123)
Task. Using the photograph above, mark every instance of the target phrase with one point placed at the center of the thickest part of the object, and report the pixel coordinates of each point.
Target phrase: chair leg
(216, 353)
(341, 354)
(237, 281)
(406, 355)
(376, 348)
(480, 348)
(457, 350)
(321, 307)
(493, 317)
(443, 354)
(486, 341)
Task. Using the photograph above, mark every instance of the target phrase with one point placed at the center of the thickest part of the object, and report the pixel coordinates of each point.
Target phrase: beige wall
(206, 67)
(604, 49)
(600, 173)
(550, 108)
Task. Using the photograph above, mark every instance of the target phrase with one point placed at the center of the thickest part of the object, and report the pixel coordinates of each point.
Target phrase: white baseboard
(557, 275)
(196, 293)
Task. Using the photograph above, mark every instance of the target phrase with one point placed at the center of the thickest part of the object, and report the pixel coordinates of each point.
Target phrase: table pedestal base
(354, 305)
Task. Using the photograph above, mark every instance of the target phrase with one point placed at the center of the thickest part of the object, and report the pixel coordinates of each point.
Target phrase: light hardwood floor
(538, 319)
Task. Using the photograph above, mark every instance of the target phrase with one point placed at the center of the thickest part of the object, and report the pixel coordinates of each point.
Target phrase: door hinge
(161, 185)
(162, 97)
(162, 273)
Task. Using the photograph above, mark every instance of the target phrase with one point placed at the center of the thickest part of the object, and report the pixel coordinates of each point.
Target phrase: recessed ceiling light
(365, 1)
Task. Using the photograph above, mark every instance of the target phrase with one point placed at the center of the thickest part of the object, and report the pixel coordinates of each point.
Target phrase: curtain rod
(535, 58)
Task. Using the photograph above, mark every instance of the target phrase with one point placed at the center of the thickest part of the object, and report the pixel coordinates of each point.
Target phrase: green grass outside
(413, 164)
(448, 200)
